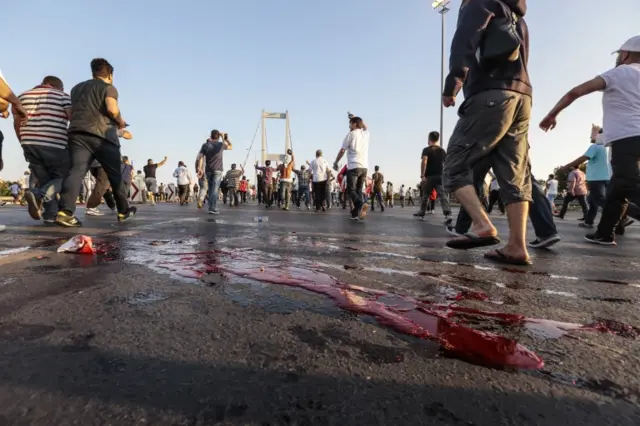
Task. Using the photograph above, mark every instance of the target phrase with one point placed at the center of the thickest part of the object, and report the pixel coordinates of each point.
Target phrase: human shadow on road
(201, 393)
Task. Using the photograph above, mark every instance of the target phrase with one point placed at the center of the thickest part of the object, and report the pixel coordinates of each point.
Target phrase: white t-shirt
(357, 146)
(621, 103)
(319, 168)
(552, 187)
(401, 191)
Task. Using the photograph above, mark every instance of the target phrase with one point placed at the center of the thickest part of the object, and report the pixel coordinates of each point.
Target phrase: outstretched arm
(163, 162)
(586, 88)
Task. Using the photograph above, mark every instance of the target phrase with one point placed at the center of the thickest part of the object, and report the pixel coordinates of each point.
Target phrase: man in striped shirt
(44, 141)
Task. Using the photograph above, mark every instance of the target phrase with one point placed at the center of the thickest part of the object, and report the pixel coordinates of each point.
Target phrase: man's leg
(109, 199)
(540, 213)
(494, 124)
(109, 156)
(81, 157)
(624, 186)
(102, 184)
(444, 198)
(565, 205)
(582, 200)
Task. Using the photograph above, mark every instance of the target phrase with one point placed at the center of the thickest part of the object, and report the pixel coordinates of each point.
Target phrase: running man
(431, 169)
(150, 178)
(378, 181)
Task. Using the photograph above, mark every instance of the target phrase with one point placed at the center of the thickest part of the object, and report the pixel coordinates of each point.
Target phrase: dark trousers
(597, 198)
(494, 197)
(303, 191)
(319, 193)
(183, 193)
(356, 179)
(624, 185)
(49, 166)
(83, 149)
(261, 193)
(431, 183)
(539, 209)
(268, 196)
(100, 189)
(377, 195)
(582, 199)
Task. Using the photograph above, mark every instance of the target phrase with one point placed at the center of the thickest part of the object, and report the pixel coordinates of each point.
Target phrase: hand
(448, 101)
(125, 134)
(19, 110)
(548, 123)
(423, 179)
(200, 174)
(5, 114)
(336, 166)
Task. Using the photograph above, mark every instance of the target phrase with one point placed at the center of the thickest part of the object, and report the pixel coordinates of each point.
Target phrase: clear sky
(186, 67)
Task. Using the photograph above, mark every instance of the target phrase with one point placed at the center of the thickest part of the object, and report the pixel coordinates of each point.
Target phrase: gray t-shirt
(90, 110)
(212, 152)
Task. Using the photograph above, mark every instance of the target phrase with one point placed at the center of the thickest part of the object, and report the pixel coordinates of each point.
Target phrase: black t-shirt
(150, 170)
(90, 110)
(435, 160)
(213, 155)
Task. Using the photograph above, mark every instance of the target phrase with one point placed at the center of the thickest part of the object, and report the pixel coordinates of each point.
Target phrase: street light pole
(441, 6)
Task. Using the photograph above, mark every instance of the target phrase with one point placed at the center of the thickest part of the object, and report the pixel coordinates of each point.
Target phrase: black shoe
(581, 219)
(628, 222)
(545, 242)
(586, 225)
(131, 212)
(69, 221)
(419, 215)
(598, 239)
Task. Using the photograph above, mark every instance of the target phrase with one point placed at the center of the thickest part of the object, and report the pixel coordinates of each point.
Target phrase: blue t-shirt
(598, 165)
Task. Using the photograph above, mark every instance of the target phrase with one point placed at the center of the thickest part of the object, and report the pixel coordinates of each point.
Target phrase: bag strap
(508, 12)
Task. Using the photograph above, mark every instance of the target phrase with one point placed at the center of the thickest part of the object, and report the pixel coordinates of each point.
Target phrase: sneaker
(3, 228)
(419, 215)
(581, 219)
(93, 212)
(363, 212)
(200, 204)
(585, 225)
(49, 221)
(448, 220)
(69, 221)
(33, 206)
(597, 239)
(628, 222)
(216, 212)
(131, 212)
(546, 242)
(452, 231)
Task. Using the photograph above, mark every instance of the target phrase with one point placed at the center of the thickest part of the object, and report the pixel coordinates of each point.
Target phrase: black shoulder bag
(500, 42)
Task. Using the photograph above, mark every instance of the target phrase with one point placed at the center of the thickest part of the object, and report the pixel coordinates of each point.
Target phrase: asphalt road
(311, 319)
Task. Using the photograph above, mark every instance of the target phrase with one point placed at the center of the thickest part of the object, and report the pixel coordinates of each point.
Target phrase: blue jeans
(303, 190)
(210, 186)
(597, 198)
(48, 167)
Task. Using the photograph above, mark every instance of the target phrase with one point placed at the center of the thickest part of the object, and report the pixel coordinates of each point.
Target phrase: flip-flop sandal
(501, 257)
(471, 240)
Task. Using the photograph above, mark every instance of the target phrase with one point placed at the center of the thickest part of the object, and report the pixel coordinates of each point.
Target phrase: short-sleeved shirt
(233, 178)
(125, 171)
(356, 144)
(150, 170)
(88, 101)
(47, 117)
(435, 160)
(598, 168)
(579, 180)
(378, 180)
(552, 187)
(212, 152)
(319, 168)
(621, 103)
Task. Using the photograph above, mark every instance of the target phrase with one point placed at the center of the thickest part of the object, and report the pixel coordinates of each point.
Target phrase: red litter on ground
(80, 244)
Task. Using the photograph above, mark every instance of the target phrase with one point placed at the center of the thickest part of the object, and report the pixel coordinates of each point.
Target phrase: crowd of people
(72, 145)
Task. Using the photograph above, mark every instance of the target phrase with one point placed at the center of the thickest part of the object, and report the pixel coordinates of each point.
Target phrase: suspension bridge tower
(287, 138)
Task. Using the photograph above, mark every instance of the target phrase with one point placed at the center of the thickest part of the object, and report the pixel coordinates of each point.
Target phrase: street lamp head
(437, 4)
